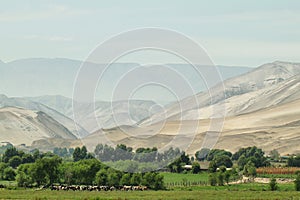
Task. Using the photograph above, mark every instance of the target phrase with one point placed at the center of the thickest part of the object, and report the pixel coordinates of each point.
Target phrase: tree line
(45, 169)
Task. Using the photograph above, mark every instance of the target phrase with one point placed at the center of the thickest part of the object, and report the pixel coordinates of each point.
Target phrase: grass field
(242, 191)
(174, 177)
(235, 191)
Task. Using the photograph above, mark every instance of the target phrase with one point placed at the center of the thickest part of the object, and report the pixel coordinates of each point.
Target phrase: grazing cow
(127, 187)
(112, 188)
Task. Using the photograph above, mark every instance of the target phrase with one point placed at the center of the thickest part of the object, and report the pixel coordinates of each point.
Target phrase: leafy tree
(216, 153)
(15, 161)
(27, 158)
(212, 179)
(223, 160)
(242, 161)
(46, 170)
(249, 169)
(101, 177)
(77, 154)
(136, 179)
(273, 184)
(227, 176)
(86, 170)
(125, 180)
(36, 154)
(2, 167)
(202, 154)
(177, 164)
(196, 168)
(9, 174)
(220, 178)
(212, 166)
(297, 182)
(83, 152)
(112, 178)
(153, 180)
(24, 177)
(158, 182)
(294, 161)
(253, 154)
(9, 153)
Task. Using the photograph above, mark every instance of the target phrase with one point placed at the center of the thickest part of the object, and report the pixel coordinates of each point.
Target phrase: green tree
(125, 180)
(249, 169)
(212, 179)
(9, 174)
(212, 166)
(112, 178)
(242, 161)
(101, 177)
(253, 154)
(15, 161)
(24, 177)
(220, 178)
(153, 180)
(223, 160)
(297, 182)
(27, 158)
(227, 176)
(216, 153)
(136, 179)
(158, 181)
(77, 154)
(83, 153)
(196, 168)
(202, 154)
(273, 184)
(46, 170)
(2, 167)
(9, 153)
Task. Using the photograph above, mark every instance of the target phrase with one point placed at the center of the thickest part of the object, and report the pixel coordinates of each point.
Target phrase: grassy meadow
(241, 191)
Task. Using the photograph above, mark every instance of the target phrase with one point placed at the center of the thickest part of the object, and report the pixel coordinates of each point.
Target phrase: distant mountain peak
(279, 62)
(2, 96)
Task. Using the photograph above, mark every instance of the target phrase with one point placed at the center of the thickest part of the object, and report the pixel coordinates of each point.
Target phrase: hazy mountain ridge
(259, 107)
(108, 114)
(21, 126)
(56, 76)
(265, 76)
(27, 104)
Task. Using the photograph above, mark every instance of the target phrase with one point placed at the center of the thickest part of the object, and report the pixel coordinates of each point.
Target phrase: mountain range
(259, 107)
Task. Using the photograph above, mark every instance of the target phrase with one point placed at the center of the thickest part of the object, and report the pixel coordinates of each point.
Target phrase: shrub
(212, 179)
(297, 183)
(273, 184)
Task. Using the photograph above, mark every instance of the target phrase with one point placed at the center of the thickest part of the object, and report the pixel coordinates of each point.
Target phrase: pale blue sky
(244, 33)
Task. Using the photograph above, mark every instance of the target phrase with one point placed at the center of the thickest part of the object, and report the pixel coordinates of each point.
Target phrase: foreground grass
(242, 191)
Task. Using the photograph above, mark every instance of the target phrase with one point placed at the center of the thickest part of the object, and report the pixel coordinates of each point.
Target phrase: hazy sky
(245, 33)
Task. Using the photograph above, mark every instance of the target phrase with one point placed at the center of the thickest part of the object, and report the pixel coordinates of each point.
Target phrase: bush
(196, 168)
(220, 178)
(9, 174)
(212, 179)
(297, 183)
(273, 184)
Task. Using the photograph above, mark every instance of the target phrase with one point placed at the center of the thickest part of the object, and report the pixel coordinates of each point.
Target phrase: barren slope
(20, 126)
(276, 127)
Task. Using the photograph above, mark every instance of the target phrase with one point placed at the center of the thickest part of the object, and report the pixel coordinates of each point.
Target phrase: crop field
(277, 170)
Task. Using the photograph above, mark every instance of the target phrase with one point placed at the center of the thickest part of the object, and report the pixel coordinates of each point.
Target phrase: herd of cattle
(97, 188)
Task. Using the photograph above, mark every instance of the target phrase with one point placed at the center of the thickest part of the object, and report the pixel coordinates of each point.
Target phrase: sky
(233, 32)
